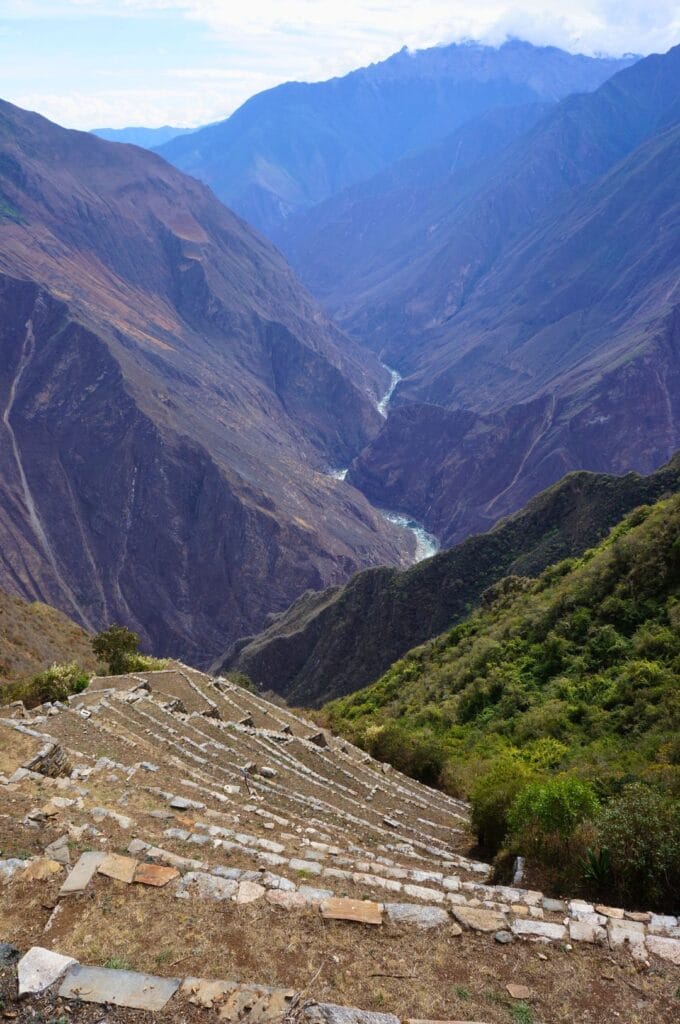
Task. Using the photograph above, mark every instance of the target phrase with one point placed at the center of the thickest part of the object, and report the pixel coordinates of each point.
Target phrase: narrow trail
(33, 516)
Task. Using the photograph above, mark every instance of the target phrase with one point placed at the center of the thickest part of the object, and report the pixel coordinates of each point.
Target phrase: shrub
(119, 648)
(492, 796)
(421, 755)
(554, 807)
(55, 683)
(145, 663)
(640, 830)
(116, 646)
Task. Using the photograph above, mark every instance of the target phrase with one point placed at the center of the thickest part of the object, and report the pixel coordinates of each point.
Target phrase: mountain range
(171, 401)
(191, 443)
(289, 148)
(522, 277)
(147, 138)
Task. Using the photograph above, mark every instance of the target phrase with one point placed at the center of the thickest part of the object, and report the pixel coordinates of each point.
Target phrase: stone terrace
(204, 797)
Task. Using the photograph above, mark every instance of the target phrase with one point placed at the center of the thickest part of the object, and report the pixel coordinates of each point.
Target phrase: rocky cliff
(171, 400)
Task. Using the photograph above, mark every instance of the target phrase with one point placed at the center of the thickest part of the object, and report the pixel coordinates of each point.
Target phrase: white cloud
(608, 26)
(252, 45)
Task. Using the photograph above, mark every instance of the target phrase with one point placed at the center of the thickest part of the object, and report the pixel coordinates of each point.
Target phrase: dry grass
(33, 636)
(432, 975)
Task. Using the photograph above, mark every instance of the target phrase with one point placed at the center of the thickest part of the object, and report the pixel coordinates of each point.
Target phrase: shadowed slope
(171, 399)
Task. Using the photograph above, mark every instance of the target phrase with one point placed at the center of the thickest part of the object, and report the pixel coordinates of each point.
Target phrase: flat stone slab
(530, 929)
(667, 949)
(155, 874)
(116, 866)
(615, 912)
(479, 919)
(248, 892)
(40, 968)
(256, 1004)
(330, 1013)
(363, 911)
(81, 876)
(519, 991)
(120, 988)
(419, 916)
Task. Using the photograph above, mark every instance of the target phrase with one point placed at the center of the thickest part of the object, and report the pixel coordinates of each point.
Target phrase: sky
(113, 63)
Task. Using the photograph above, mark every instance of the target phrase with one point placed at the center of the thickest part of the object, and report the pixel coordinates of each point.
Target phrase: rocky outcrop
(171, 401)
(324, 645)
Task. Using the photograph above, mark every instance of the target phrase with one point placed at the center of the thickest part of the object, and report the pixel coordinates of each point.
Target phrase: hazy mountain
(529, 297)
(147, 138)
(170, 398)
(291, 147)
(325, 645)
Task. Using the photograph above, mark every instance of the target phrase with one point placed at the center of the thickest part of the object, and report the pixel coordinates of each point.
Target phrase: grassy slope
(579, 669)
(33, 636)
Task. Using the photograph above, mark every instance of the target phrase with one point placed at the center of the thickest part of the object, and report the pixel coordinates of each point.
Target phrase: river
(426, 543)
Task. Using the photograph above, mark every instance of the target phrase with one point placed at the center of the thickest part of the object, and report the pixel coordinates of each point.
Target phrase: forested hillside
(570, 680)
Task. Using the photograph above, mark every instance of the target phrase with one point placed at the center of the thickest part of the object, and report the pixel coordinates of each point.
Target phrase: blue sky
(110, 63)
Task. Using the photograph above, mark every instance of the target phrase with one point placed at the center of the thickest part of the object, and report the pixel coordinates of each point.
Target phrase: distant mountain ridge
(337, 641)
(147, 138)
(170, 401)
(291, 147)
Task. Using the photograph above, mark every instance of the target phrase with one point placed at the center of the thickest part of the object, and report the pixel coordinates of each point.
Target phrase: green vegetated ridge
(556, 707)
(324, 646)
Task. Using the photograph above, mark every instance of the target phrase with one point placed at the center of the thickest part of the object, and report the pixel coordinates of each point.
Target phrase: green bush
(421, 755)
(119, 648)
(492, 796)
(55, 683)
(554, 807)
(144, 663)
(640, 832)
(116, 646)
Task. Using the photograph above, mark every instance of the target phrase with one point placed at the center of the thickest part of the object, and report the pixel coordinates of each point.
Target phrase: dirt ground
(435, 975)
